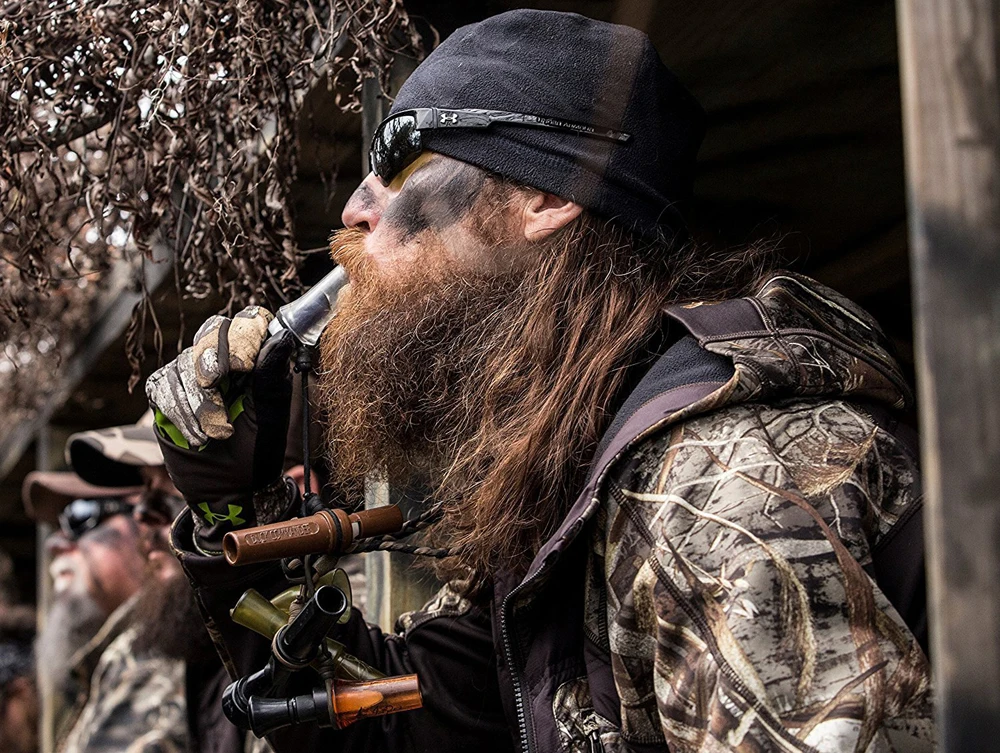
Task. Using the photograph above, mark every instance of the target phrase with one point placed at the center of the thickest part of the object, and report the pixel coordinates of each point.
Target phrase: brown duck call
(326, 532)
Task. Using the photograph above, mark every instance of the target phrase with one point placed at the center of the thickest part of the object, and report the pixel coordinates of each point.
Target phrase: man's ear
(545, 213)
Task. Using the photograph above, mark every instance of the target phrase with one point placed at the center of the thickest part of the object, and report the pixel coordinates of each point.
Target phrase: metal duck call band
(326, 532)
(255, 612)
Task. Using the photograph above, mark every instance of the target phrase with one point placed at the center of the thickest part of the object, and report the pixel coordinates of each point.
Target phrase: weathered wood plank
(951, 106)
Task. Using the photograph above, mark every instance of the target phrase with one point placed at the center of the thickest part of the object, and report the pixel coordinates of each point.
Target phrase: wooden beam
(951, 107)
(393, 585)
(115, 310)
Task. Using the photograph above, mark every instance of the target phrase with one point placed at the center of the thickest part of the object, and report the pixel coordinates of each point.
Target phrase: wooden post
(43, 599)
(49, 444)
(951, 105)
(394, 585)
(394, 582)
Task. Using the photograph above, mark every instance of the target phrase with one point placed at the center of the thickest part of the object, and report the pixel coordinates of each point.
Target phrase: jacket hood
(797, 338)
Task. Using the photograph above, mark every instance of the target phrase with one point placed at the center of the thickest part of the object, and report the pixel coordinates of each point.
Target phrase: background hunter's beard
(168, 622)
(73, 619)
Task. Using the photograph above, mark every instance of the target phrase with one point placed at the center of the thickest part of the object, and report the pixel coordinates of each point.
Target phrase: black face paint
(364, 196)
(439, 195)
(110, 536)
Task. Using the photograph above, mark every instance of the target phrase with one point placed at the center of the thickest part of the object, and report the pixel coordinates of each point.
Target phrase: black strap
(898, 559)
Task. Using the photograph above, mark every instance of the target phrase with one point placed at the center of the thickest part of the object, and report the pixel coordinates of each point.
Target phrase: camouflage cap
(46, 493)
(113, 456)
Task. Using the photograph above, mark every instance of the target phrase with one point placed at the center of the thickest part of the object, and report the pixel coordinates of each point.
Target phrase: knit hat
(563, 65)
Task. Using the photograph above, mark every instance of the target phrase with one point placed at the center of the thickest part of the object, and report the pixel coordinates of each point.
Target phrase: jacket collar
(792, 338)
(797, 338)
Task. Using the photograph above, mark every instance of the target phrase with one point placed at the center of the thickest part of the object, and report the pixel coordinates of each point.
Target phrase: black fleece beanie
(563, 65)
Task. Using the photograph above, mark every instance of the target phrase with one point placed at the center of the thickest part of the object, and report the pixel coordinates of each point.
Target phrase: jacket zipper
(508, 646)
(522, 712)
(515, 677)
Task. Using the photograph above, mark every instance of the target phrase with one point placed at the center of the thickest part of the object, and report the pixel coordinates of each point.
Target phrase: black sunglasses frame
(387, 160)
(75, 526)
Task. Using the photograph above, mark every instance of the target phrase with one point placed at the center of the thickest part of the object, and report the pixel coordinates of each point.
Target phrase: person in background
(148, 679)
(95, 568)
(19, 708)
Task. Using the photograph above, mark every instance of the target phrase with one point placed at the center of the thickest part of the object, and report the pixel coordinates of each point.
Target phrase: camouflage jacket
(141, 701)
(732, 577)
(129, 702)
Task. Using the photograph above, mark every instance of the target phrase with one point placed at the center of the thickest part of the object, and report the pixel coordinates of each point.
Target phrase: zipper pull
(594, 741)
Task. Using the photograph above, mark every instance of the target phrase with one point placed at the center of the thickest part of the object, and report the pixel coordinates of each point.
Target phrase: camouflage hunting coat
(143, 701)
(732, 563)
(742, 570)
(131, 703)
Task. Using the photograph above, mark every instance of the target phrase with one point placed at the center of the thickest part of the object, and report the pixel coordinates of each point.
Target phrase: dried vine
(132, 124)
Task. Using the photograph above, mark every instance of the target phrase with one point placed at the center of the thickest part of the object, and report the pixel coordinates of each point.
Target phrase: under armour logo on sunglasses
(397, 141)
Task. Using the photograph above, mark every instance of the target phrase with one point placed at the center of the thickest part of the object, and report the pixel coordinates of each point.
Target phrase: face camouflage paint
(440, 196)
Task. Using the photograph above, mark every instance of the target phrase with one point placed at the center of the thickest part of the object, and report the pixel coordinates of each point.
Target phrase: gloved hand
(222, 411)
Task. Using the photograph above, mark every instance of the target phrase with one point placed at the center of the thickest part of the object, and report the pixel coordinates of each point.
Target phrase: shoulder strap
(898, 562)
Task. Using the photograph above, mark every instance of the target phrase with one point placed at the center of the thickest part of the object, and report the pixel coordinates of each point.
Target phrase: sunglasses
(82, 515)
(397, 140)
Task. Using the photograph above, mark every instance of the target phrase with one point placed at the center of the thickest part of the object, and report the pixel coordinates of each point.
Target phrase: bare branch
(121, 123)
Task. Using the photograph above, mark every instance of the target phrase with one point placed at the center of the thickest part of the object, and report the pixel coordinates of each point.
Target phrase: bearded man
(681, 512)
(124, 640)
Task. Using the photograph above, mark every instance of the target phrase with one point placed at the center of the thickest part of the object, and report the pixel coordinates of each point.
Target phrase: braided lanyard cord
(388, 543)
(391, 542)
(303, 364)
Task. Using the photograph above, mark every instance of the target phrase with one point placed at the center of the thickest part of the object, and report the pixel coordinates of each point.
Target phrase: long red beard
(401, 364)
(491, 389)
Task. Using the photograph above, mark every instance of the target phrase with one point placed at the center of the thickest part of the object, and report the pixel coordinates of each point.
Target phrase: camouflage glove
(222, 409)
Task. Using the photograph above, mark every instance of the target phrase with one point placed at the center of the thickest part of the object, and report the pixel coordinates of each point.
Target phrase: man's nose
(364, 209)
(57, 544)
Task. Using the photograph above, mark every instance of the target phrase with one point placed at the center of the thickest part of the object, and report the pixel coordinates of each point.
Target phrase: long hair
(554, 378)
